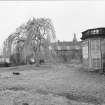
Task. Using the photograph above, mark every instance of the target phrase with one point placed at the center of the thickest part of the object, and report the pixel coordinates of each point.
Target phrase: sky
(68, 17)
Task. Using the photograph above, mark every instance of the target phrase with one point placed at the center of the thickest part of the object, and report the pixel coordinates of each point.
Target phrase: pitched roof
(67, 45)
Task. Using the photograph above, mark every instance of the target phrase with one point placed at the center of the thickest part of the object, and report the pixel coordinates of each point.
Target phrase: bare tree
(30, 37)
(39, 33)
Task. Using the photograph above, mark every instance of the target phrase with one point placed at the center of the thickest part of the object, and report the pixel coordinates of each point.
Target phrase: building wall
(68, 52)
(93, 58)
(68, 56)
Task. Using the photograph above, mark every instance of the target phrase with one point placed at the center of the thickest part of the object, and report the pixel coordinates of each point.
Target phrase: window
(96, 31)
(59, 48)
(68, 47)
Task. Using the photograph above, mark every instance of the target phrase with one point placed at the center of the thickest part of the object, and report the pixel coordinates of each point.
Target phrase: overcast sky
(68, 17)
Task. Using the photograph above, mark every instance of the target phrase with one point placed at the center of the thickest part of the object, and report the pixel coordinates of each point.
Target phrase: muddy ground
(51, 84)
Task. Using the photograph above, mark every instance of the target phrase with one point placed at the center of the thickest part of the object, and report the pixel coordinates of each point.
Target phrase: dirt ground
(51, 84)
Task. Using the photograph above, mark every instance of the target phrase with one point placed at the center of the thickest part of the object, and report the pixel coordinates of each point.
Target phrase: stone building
(93, 49)
(69, 51)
